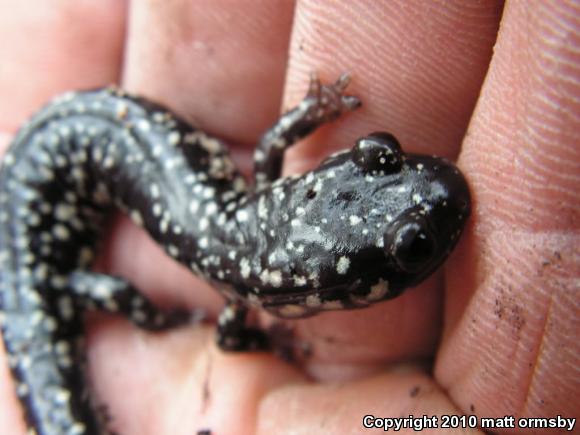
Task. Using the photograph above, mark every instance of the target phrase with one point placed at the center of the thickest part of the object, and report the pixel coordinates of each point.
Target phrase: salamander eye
(378, 153)
(412, 246)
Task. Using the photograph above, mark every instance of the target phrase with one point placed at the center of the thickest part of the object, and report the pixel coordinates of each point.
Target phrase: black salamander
(366, 224)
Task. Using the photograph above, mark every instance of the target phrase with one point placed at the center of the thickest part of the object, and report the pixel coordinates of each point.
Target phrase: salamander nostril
(310, 194)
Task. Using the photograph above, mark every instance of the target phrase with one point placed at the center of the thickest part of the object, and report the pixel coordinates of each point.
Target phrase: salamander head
(365, 225)
(429, 203)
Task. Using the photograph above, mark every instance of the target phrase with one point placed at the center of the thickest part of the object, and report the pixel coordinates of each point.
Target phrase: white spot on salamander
(173, 138)
(342, 265)
(154, 189)
(65, 307)
(211, 208)
(417, 198)
(157, 209)
(273, 277)
(295, 222)
(194, 206)
(292, 311)
(61, 232)
(332, 305)
(299, 280)
(136, 217)
(313, 301)
(378, 291)
(64, 212)
(242, 215)
(173, 250)
(244, 267)
(354, 220)
(143, 125)
(276, 278)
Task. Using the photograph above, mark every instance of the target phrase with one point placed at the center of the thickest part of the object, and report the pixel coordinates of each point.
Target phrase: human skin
(495, 333)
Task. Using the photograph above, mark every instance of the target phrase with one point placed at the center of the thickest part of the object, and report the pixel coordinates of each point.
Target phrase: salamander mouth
(306, 303)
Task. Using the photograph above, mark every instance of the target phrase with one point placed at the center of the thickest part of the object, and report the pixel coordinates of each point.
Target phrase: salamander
(363, 226)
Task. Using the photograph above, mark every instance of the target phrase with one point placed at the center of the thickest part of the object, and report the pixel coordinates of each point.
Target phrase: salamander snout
(424, 233)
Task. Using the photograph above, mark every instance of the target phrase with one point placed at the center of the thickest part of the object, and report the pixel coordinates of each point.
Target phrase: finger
(48, 49)
(417, 68)
(211, 63)
(181, 383)
(11, 418)
(191, 386)
(511, 344)
(397, 400)
(218, 63)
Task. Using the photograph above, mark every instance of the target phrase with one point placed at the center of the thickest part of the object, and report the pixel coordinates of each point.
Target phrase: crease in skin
(535, 275)
(540, 132)
(539, 357)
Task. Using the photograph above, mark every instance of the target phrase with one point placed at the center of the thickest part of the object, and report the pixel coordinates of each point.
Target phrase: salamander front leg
(232, 333)
(322, 103)
(116, 295)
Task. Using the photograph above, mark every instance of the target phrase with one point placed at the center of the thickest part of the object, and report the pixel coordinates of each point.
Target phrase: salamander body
(366, 224)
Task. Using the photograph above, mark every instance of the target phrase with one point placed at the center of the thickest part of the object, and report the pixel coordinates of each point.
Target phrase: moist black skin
(362, 227)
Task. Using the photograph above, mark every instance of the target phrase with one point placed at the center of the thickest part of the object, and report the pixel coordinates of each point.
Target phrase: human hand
(495, 334)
